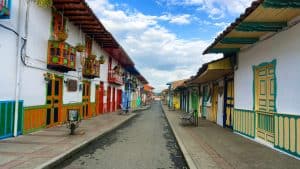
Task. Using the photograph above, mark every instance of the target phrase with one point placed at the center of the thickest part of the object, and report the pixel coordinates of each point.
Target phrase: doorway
(229, 103)
(108, 99)
(86, 100)
(54, 101)
(214, 103)
(265, 103)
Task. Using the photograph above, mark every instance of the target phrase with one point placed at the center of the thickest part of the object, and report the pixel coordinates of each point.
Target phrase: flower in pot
(80, 47)
(62, 35)
(102, 60)
(44, 3)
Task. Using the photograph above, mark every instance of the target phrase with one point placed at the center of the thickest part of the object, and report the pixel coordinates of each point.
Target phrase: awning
(215, 70)
(261, 18)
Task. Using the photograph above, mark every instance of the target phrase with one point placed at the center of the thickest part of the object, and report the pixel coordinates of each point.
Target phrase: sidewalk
(43, 148)
(210, 146)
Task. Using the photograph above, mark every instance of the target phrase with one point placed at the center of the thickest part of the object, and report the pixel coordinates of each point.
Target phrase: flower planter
(44, 3)
(80, 48)
(62, 36)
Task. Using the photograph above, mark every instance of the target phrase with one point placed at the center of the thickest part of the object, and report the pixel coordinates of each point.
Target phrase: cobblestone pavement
(145, 142)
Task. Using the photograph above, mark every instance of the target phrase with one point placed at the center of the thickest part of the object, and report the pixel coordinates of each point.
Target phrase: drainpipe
(18, 64)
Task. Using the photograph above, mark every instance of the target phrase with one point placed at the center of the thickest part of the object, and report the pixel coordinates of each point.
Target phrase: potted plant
(92, 56)
(80, 47)
(44, 3)
(102, 60)
(62, 35)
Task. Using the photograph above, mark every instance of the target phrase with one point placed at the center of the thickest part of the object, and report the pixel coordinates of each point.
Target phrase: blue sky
(166, 38)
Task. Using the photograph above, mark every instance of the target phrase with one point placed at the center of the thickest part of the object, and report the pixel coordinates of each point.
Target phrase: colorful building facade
(58, 60)
(265, 41)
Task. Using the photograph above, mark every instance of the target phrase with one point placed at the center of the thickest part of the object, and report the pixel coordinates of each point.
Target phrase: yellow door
(214, 103)
(54, 102)
(86, 104)
(229, 103)
(265, 101)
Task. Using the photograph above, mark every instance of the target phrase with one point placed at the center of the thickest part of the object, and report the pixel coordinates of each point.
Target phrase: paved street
(144, 142)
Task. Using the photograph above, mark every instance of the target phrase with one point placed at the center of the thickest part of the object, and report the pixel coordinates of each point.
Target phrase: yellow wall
(176, 101)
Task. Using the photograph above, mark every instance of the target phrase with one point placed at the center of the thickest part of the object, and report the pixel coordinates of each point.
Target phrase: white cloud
(158, 53)
(216, 9)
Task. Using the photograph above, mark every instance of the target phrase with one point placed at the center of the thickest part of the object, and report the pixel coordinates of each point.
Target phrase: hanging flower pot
(80, 47)
(62, 36)
(102, 60)
(92, 56)
(44, 3)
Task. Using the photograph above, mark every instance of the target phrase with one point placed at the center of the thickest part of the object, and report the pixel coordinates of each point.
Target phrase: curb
(182, 147)
(62, 157)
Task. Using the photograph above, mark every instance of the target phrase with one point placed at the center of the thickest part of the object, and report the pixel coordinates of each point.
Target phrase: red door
(108, 99)
(114, 100)
(101, 93)
(119, 99)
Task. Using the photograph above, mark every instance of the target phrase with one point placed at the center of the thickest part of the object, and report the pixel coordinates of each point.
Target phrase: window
(58, 23)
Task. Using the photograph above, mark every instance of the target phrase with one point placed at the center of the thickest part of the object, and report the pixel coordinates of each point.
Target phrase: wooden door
(119, 99)
(101, 95)
(86, 104)
(54, 102)
(113, 99)
(97, 97)
(214, 103)
(108, 99)
(229, 103)
(265, 101)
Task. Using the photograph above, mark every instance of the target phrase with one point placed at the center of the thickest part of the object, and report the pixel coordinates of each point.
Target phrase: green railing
(287, 133)
(244, 122)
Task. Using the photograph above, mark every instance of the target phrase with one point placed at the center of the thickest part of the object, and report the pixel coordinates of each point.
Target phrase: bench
(188, 118)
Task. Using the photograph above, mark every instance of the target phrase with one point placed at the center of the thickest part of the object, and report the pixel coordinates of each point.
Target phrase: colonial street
(143, 142)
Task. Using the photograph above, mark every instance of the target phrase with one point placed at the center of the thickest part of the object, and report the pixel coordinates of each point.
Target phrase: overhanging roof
(261, 18)
(80, 14)
(213, 71)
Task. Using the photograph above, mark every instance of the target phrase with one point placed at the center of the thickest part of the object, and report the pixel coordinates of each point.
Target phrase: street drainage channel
(90, 156)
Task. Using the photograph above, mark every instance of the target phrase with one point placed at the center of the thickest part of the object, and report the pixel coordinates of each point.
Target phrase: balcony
(61, 56)
(114, 77)
(91, 68)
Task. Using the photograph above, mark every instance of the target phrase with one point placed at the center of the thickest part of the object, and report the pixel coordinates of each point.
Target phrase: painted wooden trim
(291, 143)
(7, 109)
(244, 122)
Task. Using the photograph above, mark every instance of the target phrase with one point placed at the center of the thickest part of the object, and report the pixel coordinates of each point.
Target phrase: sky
(166, 38)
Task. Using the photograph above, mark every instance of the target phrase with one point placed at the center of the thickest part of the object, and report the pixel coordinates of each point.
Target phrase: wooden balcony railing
(114, 77)
(61, 56)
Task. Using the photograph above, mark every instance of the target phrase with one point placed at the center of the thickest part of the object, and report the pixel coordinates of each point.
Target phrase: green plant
(92, 56)
(80, 47)
(62, 35)
(44, 3)
(102, 60)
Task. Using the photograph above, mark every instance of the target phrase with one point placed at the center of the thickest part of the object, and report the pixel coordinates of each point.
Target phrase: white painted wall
(33, 85)
(285, 48)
